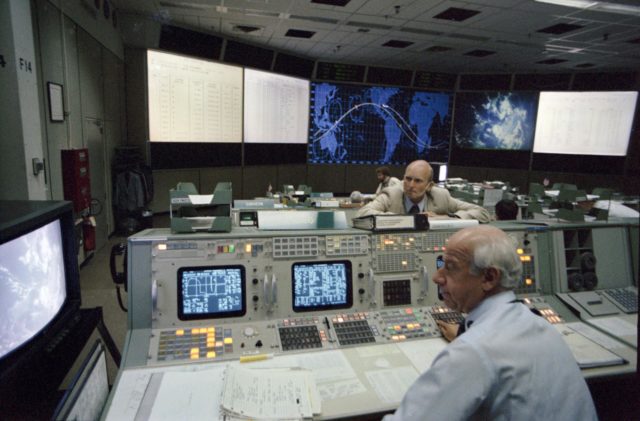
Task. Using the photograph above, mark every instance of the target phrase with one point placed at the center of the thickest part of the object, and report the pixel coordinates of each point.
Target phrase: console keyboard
(625, 298)
(193, 344)
(299, 337)
(446, 315)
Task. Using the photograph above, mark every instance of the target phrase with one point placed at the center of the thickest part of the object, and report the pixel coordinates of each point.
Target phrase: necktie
(462, 326)
(414, 209)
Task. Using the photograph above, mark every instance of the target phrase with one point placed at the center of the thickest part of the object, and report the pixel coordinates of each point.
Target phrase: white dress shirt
(509, 365)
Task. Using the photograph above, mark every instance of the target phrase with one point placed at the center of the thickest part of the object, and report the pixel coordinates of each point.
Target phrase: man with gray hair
(507, 363)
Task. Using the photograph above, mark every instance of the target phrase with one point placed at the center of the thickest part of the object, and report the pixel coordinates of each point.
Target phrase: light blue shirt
(408, 204)
(509, 365)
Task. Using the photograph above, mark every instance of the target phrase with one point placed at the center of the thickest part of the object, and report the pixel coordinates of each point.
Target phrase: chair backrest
(536, 189)
(603, 193)
(564, 186)
(187, 187)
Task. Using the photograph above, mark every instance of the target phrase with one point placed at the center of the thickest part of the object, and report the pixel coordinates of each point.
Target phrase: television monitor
(39, 299)
(193, 100)
(87, 395)
(442, 173)
(377, 125)
(211, 292)
(39, 280)
(585, 123)
(321, 285)
(495, 120)
(275, 108)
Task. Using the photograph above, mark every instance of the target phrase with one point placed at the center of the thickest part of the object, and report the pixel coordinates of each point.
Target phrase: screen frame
(29, 216)
(464, 107)
(211, 315)
(151, 51)
(249, 98)
(439, 148)
(94, 368)
(349, 286)
(543, 146)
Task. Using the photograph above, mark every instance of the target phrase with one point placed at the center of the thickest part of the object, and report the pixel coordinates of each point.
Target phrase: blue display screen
(495, 120)
(360, 124)
(211, 292)
(321, 285)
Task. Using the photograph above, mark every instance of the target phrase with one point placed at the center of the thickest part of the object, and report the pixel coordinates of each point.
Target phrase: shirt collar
(488, 303)
(408, 203)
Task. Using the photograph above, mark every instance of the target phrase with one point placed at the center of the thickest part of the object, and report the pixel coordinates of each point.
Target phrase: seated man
(506, 210)
(508, 363)
(418, 194)
(384, 178)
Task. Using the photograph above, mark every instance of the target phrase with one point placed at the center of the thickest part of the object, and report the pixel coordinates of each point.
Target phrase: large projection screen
(584, 123)
(193, 100)
(276, 108)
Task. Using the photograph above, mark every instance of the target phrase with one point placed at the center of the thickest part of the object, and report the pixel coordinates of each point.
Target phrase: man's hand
(433, 215)
(449, 330)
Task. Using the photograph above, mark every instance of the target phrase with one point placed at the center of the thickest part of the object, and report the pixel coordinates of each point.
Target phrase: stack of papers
(270, 394)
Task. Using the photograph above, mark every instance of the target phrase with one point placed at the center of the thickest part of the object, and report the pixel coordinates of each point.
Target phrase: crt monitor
(86, 397)
(321, 285)
(38, 270)
(211, 292)
(39, 288)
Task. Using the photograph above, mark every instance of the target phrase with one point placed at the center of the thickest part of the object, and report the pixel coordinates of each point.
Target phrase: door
(94, 141)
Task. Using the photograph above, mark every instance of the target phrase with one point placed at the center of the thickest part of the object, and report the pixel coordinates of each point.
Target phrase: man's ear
(491, 279)
(430, 185)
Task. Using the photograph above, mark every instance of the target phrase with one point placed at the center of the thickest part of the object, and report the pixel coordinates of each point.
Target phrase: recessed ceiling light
(332, 2)
(479, 53)
(299, 33)
(551, 61)
(560, 28)
(397, 43)
(456, 14)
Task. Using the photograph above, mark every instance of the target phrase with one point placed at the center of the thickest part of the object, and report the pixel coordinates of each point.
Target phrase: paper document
(615, 326)
(586, 352)
(444, 224)
(200, 199)
(201, 222)
(270, 394)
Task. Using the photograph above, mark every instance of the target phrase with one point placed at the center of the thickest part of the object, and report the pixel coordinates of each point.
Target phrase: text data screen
(211, 292)
(321, 286)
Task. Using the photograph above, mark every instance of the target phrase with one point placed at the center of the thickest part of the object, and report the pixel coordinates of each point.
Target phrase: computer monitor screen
(321, 285)
(210, 292)
(87, 395)
(585, 123)
(364, 124)
(442, 174)
(32, 284)
(495, 120)
(275, 108)
(193, 100)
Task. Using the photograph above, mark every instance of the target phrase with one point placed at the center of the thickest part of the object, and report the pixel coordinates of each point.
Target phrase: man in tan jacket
(419, 194)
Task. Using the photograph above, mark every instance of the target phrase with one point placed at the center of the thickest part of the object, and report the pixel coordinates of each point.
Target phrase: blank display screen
(276, 108)
(321, 285)
(193, 100)
(211, 292)
(584, 123)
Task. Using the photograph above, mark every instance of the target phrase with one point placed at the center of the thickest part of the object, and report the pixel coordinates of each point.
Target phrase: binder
(384, 222)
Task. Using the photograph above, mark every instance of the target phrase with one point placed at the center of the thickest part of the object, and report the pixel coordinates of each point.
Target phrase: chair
(603, 193)
(564, 186)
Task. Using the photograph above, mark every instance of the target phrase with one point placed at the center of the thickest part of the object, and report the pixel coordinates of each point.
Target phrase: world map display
(359, 124)
(495, 120)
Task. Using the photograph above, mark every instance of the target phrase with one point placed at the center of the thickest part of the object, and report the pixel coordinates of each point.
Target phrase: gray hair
(497, 252)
